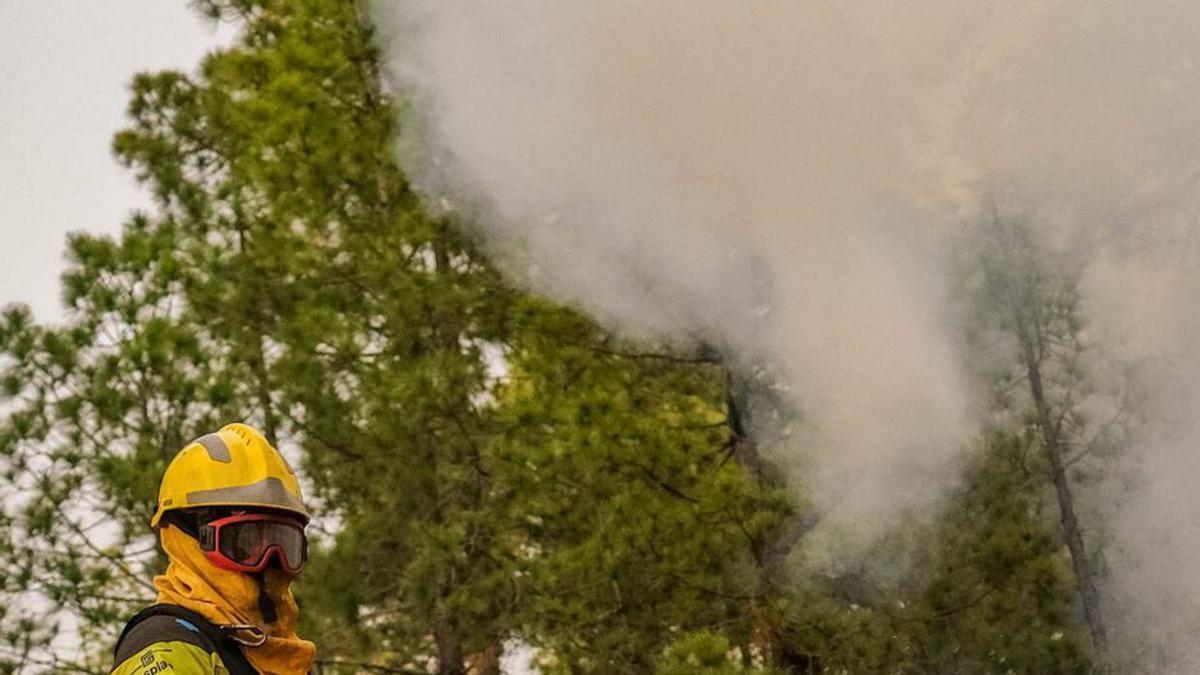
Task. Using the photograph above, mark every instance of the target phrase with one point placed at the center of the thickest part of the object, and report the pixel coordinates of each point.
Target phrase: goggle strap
(207, 536)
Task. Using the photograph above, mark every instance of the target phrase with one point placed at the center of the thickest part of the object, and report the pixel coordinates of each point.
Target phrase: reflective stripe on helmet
(266, 492)
(218, 451)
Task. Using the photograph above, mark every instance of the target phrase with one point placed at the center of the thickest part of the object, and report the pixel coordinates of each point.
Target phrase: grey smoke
(656, 162)
(781, 178)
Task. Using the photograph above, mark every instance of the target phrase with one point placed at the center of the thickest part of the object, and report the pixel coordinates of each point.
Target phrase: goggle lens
(248, 542)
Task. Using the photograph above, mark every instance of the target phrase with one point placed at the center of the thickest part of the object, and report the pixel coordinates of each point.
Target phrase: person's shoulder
(162, 643)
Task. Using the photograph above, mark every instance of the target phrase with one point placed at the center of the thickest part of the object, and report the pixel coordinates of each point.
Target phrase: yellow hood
(226, 597)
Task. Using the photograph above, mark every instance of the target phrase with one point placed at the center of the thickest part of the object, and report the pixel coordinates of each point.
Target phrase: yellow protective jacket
(165, 644)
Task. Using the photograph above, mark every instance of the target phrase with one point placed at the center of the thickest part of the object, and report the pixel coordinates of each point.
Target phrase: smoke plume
(782, 178)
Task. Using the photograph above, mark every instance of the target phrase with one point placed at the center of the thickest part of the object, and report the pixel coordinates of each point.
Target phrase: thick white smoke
(718, 174)
(778, 177)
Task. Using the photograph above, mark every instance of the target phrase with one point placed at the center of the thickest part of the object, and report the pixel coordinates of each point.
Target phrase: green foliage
(702, 653)
(1002, 597)
(636, 522)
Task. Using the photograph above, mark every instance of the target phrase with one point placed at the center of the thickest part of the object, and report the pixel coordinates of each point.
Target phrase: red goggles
(247, 542)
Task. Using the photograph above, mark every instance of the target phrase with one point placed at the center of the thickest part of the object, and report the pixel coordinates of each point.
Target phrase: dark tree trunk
(449, 647)
(1072, 532)
(769, 553)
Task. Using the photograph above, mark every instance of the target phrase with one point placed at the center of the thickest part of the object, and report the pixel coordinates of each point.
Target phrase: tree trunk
(771, 553)
(258, 364)
(256, 356)
(449, 648)
(1072, 532)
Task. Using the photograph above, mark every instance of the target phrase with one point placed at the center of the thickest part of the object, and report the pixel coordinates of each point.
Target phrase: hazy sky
(66, 66)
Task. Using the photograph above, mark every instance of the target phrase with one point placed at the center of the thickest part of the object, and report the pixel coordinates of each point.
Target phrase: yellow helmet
(235, 466)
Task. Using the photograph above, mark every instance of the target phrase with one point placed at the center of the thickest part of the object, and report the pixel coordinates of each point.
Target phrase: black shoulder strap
(229, 650)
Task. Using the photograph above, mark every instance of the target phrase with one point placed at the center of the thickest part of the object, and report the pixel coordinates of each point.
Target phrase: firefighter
(231, 520)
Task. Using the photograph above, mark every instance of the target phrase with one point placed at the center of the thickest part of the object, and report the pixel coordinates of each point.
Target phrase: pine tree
(1029, 311)
(638, 522)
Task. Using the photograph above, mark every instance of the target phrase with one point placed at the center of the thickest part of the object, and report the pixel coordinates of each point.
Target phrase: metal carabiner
(234, 632)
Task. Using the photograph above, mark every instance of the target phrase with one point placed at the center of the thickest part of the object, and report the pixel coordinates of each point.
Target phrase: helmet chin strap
(266, 604)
